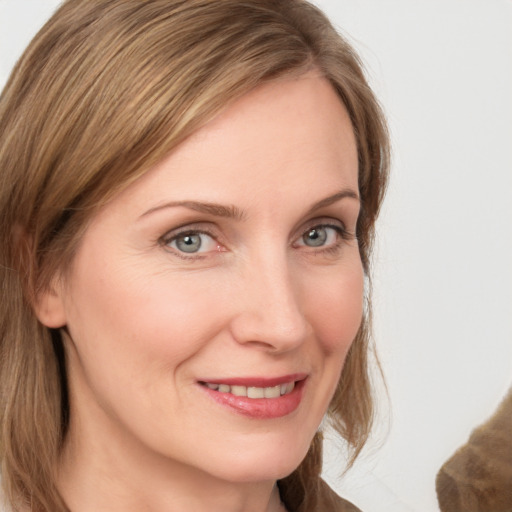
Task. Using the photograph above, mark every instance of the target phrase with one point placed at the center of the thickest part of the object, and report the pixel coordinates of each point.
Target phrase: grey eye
(188, 243)
(315, 237)
(192, 242)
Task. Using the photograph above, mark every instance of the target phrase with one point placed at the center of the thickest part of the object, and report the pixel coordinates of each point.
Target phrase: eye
(192, 242)
(320, 236)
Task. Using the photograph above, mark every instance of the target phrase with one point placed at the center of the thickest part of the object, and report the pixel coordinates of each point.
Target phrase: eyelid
(192, 229)
(206, 228)
(175, 233)
(299, 242)
(331, 222)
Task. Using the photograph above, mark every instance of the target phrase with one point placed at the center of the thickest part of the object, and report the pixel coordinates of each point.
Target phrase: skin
(146, 321)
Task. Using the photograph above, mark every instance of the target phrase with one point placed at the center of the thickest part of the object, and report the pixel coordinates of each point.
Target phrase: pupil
(189, 243)
(315, 237)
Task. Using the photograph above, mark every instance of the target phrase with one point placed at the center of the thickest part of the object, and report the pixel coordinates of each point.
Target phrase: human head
(104, 92)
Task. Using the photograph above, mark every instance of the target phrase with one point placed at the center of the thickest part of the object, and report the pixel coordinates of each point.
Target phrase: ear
(48, 304)
(49, 307)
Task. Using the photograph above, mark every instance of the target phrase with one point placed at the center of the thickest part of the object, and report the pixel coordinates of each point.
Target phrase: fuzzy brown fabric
(326, 499)
(478, 477)
(330, 502)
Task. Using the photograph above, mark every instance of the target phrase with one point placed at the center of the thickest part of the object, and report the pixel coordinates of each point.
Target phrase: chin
(261, 461)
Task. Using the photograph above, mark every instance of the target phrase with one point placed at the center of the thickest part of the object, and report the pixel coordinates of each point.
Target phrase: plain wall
(443, 273)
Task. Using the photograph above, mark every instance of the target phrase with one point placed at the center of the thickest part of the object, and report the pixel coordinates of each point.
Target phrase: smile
(258, 398)
(252, 391)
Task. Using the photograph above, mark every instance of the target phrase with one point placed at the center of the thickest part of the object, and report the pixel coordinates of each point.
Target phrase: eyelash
(168, 238)
(342, 233)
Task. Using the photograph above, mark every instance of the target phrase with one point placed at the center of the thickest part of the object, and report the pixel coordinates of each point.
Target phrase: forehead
(287, 139)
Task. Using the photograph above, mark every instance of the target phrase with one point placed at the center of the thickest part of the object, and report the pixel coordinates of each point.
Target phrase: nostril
(269, 314)
(259, 344)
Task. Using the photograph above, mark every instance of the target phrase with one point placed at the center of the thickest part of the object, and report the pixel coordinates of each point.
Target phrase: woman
(189, 192)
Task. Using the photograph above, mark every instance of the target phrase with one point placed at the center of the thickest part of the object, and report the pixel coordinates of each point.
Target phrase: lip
(259, 382)
(258, 408)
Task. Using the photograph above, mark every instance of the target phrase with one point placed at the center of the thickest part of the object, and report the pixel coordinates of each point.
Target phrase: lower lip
(260, 408)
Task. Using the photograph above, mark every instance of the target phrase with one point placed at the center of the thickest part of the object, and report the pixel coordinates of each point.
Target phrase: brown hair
(105, 90)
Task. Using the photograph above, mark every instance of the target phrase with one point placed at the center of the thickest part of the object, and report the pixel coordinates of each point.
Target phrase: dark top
(330, 502)
(326, 499)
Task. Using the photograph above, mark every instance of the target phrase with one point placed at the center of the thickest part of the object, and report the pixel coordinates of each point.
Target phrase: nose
(270, 307)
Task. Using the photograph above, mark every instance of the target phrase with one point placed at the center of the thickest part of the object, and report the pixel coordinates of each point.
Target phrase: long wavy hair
(105, 91)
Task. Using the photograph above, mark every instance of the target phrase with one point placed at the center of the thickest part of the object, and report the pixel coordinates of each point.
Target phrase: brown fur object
(478, 477)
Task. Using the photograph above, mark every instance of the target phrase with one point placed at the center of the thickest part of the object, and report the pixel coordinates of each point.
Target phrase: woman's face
(211, 304)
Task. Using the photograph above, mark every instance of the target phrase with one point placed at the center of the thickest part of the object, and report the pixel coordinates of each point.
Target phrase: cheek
(134, 333)
(162, 318)
(335, 310)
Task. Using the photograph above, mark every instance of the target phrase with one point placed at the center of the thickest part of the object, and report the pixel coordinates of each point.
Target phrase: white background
(443, 272)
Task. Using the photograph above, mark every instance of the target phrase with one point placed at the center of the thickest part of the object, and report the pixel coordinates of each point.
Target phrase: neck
(121, 476)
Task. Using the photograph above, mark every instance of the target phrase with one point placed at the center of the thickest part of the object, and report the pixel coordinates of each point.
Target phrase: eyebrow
(343, 194)
(233, 212)
(217, 210)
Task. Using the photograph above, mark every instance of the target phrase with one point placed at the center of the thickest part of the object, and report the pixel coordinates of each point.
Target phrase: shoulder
(313, 496)
(329, 501)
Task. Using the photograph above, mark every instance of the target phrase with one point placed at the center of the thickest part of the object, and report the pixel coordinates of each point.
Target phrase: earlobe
(48, 305)
(49, 308)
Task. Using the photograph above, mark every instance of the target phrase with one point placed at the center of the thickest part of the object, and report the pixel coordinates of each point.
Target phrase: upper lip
(258, 382)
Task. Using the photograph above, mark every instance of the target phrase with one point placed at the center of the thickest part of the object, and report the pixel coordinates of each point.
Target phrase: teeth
(238, 390)
(253, 392)
(287, 388)
(272, 392)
